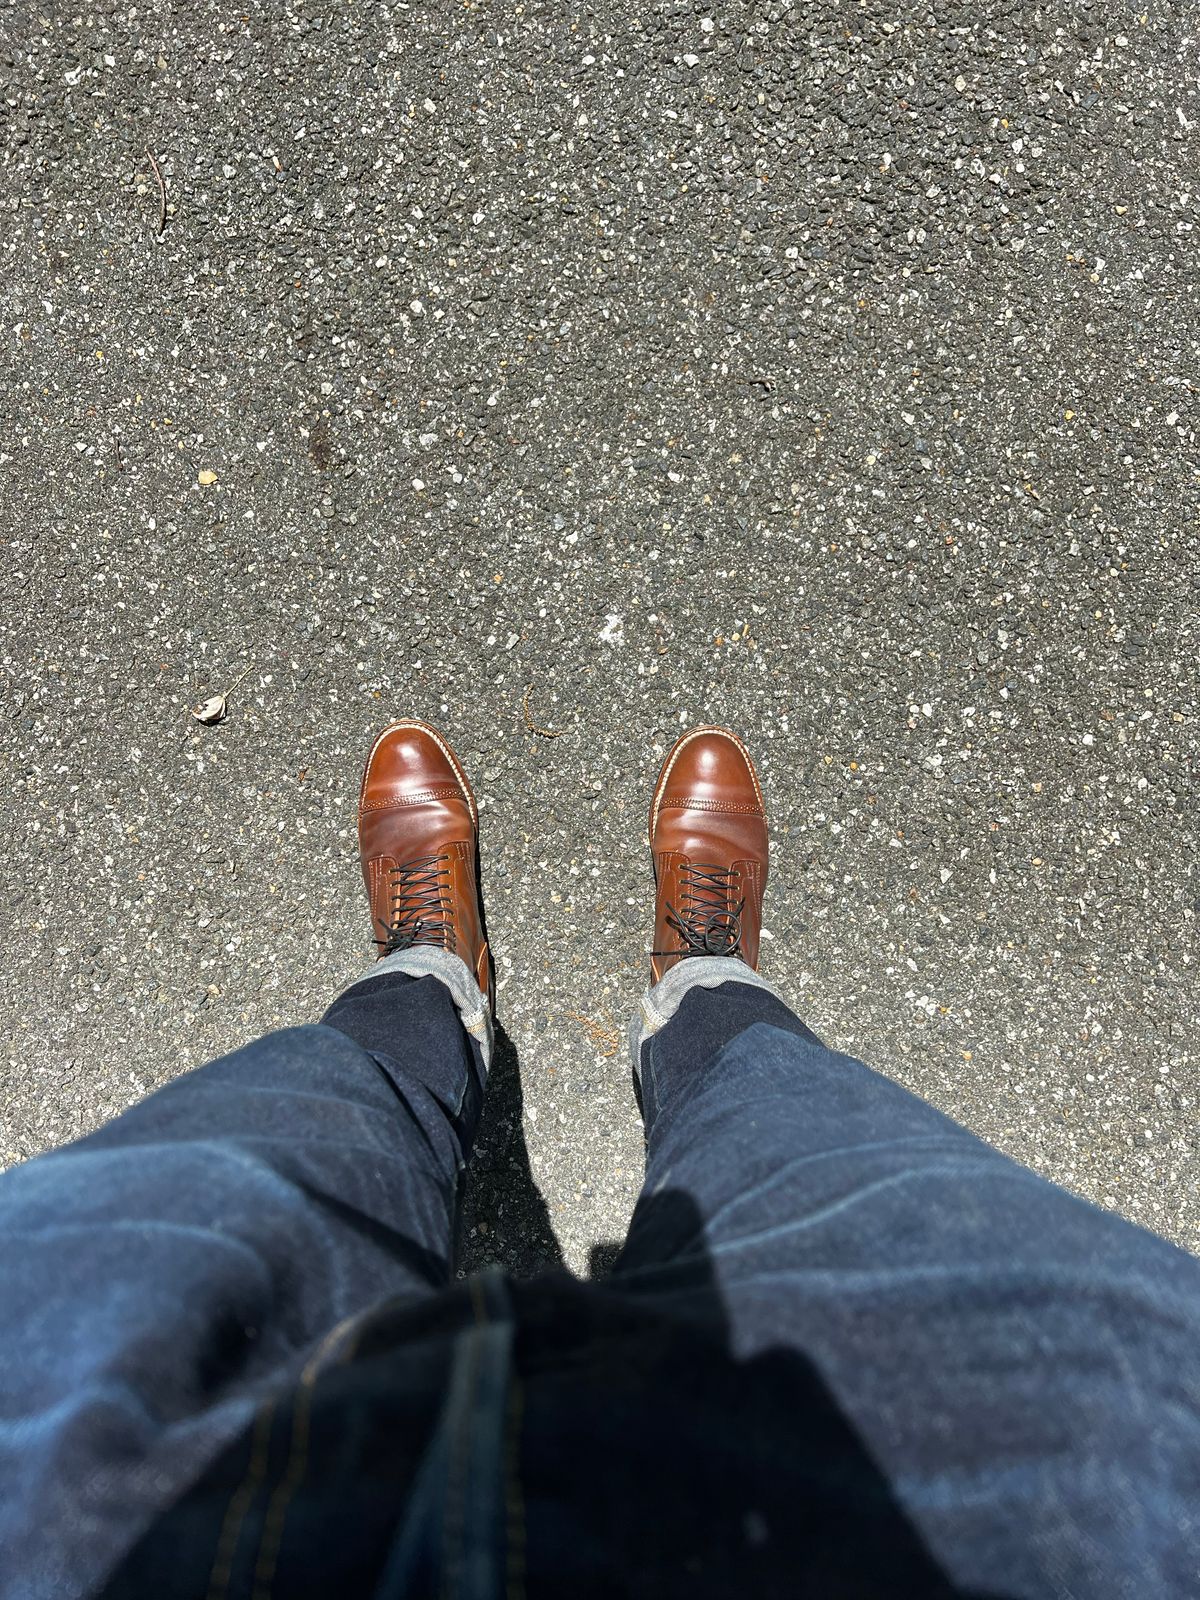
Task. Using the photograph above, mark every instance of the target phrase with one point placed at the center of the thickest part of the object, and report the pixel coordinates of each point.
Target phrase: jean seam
(514, 1552)
(458, 1464)
(242, 1499)
(295, 1467)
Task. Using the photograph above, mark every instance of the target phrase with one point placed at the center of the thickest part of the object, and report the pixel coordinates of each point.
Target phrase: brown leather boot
(418, 835)
(708, 837)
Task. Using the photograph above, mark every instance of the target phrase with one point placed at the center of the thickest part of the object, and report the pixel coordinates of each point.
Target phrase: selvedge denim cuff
(659, 1004)
(428, 961)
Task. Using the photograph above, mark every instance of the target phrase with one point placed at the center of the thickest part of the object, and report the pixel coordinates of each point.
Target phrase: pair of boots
(418, 832)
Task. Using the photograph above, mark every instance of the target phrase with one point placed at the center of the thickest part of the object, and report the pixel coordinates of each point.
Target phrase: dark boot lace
(703, 919)
(418, 915)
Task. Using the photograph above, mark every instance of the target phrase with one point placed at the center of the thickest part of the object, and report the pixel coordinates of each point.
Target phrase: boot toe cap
(410, 760)
(709, 767)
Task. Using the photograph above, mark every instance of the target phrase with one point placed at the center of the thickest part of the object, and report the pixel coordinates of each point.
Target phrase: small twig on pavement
(534, 727)
(606, 1039)
(240, 679)
(162, 191)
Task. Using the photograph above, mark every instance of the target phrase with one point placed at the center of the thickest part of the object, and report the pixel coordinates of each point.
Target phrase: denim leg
(163, 1275)
(1023, 1367)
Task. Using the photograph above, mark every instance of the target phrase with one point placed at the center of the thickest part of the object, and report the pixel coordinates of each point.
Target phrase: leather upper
(707, 815)
(415, 803)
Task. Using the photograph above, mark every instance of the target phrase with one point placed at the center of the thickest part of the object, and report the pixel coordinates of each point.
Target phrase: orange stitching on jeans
(454, 1512)
(272, 1535)
(239, 1505)
(514, 1567)
(454, 1518)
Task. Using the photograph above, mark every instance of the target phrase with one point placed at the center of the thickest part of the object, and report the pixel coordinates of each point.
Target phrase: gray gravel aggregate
(831, 374)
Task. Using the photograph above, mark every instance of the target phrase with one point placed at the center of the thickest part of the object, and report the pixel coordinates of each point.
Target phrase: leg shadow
(504, 1220)
(762, 1479)
(653, 1462)
(602, 1258)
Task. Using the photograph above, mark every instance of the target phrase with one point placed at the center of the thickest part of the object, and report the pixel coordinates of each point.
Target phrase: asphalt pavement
(566, 376)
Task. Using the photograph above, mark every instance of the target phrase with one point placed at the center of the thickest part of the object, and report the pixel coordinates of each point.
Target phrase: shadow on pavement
(504, 1220)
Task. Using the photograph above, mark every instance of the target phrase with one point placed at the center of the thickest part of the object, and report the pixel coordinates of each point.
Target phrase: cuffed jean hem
(427, 961)
(659, 1004)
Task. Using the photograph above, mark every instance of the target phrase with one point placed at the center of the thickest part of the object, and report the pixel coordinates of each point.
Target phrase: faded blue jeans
(847, 1348)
